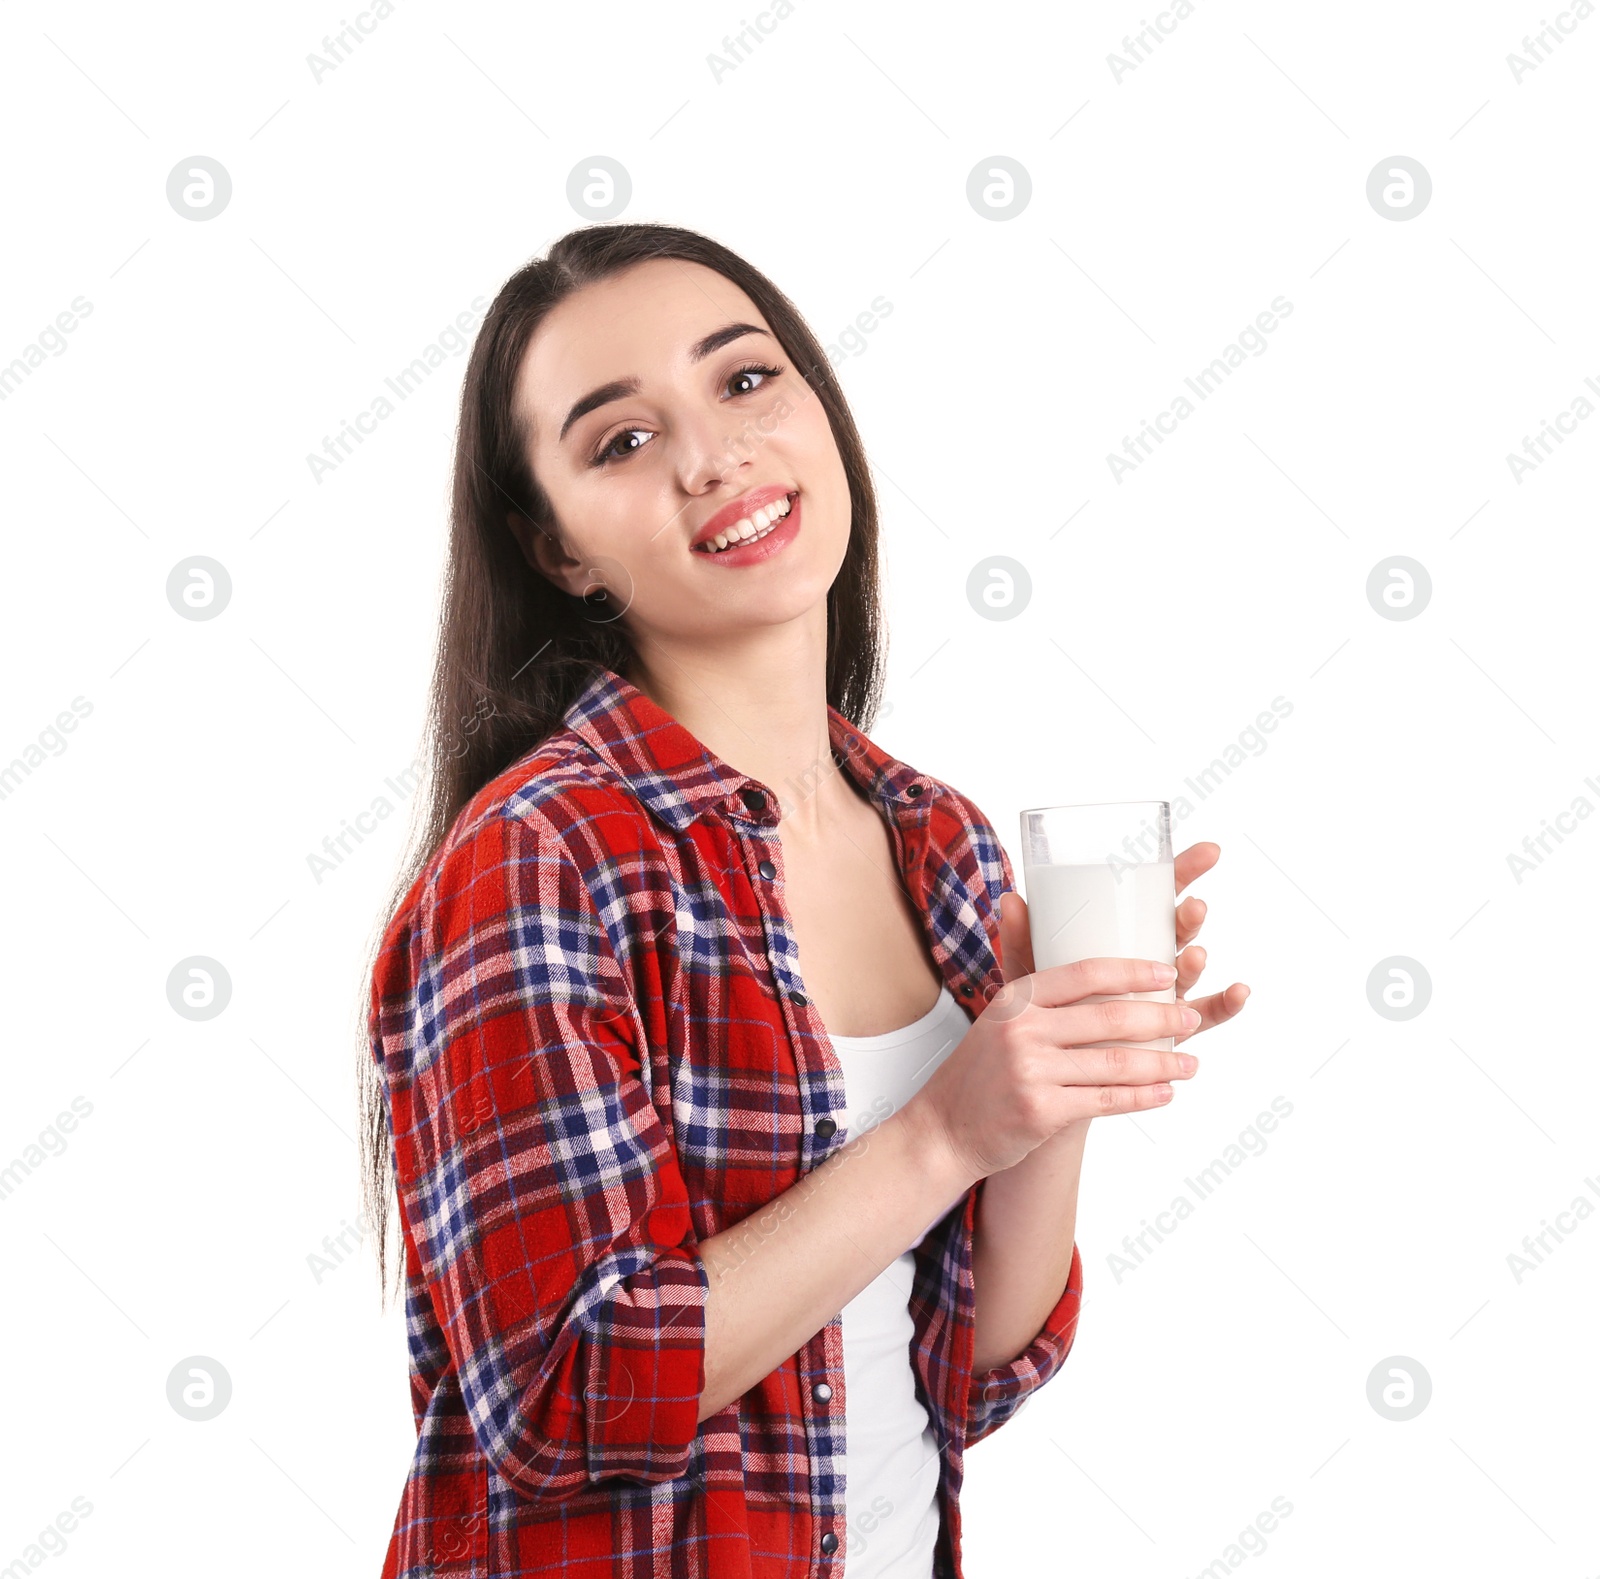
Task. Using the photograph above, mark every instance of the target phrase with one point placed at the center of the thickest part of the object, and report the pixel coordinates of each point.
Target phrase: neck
(760, 704)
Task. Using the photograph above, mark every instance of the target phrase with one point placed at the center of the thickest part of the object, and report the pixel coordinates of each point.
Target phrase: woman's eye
(752, 371)
(608, 452)
(752, 377)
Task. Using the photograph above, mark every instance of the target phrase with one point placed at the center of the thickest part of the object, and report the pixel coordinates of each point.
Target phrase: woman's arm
(785, 1271)
(1022, 1245)
(1027, 1216)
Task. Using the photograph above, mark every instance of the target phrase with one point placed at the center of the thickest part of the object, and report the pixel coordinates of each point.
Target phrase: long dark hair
(514, 650)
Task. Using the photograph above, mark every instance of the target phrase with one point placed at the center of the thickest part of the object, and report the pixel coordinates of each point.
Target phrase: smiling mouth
(751, 528)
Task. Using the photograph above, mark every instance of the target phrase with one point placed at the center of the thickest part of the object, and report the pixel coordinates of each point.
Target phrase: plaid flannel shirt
(597, 1051)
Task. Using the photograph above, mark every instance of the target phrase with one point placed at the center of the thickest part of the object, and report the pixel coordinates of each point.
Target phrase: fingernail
(1191, 1017)
(1188, 1063)
(1166, 973)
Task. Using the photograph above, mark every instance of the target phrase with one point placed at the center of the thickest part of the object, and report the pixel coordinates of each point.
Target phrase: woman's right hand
(1023, 1071)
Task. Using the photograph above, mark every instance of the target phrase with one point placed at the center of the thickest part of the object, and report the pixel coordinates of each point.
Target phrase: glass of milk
(1098, 880)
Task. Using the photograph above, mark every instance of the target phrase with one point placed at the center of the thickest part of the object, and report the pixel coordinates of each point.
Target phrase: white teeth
(757, 524)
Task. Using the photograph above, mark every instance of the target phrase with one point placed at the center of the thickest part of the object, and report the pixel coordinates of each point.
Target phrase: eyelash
(603, 458)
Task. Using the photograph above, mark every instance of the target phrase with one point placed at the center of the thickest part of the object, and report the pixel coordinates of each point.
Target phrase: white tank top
(891, 1452)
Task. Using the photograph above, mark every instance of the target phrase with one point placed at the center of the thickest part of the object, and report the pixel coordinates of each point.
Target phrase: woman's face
(655, 403)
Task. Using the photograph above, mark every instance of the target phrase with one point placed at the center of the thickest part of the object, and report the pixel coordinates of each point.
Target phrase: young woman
(736, 1142)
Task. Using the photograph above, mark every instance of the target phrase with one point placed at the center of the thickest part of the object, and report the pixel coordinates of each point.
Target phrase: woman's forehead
(637, 324)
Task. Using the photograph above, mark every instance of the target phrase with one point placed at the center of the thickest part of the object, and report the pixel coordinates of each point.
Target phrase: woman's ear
(522, 529)
(545, 555)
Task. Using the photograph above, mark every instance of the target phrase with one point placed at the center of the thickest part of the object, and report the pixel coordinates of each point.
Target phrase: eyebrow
(621, 388)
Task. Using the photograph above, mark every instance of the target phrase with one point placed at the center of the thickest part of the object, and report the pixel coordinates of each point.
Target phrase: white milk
(1083, 912)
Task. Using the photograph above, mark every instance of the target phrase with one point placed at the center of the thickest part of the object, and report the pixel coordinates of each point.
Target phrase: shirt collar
(678, 778)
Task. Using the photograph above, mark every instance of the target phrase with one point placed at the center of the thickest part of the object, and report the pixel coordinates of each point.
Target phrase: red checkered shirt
(596, 1052)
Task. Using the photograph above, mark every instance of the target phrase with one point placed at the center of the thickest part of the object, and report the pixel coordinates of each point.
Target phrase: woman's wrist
(931, 1142)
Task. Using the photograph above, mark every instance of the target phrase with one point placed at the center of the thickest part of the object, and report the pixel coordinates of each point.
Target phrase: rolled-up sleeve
(540, 1186)
(995, 1395)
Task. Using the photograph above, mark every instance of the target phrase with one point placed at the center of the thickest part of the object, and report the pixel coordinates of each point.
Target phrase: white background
(1168, 609)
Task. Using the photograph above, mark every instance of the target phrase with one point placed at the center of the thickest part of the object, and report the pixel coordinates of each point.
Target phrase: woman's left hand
(1016, 943)
(1191, 914)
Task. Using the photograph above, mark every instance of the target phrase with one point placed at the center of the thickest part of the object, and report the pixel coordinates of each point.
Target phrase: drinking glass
(1098, 880)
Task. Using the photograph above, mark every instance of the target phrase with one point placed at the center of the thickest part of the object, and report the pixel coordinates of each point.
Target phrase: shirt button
(822, 1392)
(753, 799)
(769, 871)
(830, 1543)
(913, 790)
(966, 989)
(800, 998)
(826, 1127)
